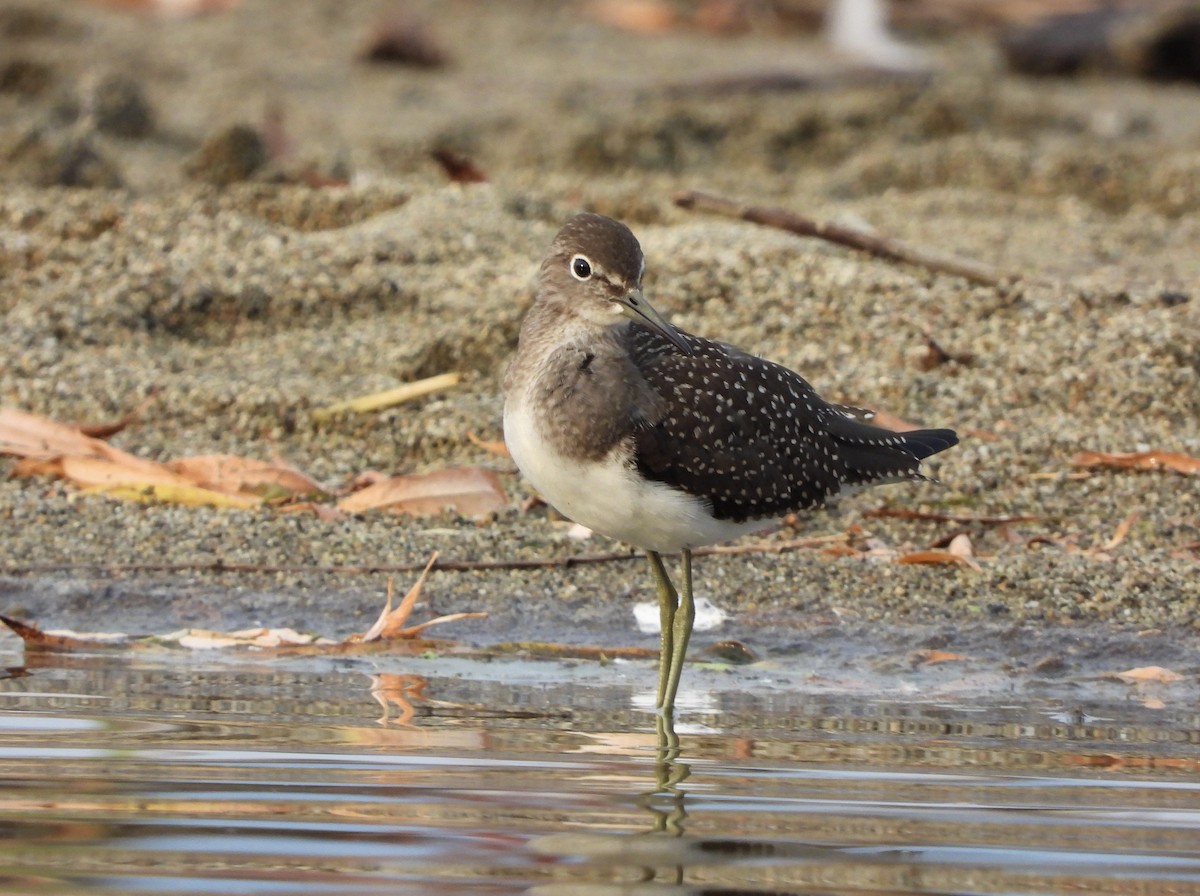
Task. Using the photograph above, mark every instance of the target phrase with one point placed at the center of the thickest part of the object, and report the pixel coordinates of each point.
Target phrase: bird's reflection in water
(661, 854)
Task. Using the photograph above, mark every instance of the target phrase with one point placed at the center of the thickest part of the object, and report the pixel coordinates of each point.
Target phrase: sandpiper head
(596, 264)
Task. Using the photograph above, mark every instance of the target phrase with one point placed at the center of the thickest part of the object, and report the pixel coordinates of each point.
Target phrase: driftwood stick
(862, 240)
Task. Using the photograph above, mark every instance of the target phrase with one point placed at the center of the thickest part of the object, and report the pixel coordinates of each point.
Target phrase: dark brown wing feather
(753, 438)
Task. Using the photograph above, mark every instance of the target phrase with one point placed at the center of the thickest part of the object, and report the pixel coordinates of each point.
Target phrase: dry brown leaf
(389, 620)
(1153, 703)
(1144, 674)
(492, 446)
(400, 39)
(458, 167)
(23, 434)
(931, 657)
(171, 8)
(468, 491)
(1121, 532)
(235, 475)
(36, 639)
(95, 472)
(202, 639)
(888, 420)
(935, 558)
(106, 430)
(390, 624)
(643, 16)
(1141, 460)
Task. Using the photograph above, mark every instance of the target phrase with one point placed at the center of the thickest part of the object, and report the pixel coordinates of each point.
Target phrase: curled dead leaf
(24, 434)
(37, 639)
(457, 167)
(469, 491)
(202, 639)
(492, 446)
(1141, 460)
(99, 472)
(1121, 532)
(888, 420)
(936, 558)
(931, 657)
(390, 624)
(235, 475)
(1144, 674)
(642, 16)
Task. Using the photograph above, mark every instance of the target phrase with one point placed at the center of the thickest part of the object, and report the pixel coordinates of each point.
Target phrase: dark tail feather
(926, 442)
(874, 455)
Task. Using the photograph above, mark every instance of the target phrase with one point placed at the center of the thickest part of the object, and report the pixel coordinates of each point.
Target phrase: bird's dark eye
(581, 268)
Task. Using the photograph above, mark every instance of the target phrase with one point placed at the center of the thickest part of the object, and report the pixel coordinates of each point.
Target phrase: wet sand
(249, 305)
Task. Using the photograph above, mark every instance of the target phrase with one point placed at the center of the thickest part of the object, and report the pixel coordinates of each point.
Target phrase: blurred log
(1160, 44)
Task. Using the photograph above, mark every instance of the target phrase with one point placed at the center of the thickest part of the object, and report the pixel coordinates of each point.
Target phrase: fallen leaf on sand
(202, 639)
(36, 639)
(457, 167)
(31, 435)
(244, 475)
(492, 446)
(100, 472)
(469, 491)
(930, 657)
(107, 430)
(890, 421)
(174, 493)
(171, 8)
(1121, 532)
(1143, 674)
(642, 16)
(390, 624)
(1141, 460)
(936, 558)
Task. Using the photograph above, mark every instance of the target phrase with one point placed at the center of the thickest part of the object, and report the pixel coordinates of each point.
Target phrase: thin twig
(905, 513)
(862, 240)
(218, 566)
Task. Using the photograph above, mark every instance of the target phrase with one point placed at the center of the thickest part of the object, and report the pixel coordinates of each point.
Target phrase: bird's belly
(608, 496)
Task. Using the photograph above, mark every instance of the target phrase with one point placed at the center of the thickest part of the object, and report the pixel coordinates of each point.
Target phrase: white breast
(609, 497)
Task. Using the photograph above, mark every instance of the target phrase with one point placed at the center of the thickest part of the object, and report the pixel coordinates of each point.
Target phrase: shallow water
(147, 774)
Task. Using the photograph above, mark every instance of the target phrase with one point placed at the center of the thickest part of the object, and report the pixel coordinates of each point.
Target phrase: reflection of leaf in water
(390, 689)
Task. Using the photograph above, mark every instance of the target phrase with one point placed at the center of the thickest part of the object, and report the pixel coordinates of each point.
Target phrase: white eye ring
(581, 267)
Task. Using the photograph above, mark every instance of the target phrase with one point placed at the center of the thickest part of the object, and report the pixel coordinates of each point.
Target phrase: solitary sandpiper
(666, 440)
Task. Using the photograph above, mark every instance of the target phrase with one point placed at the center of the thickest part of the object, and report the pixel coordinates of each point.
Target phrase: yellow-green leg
(676, 614)
(668, 600)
